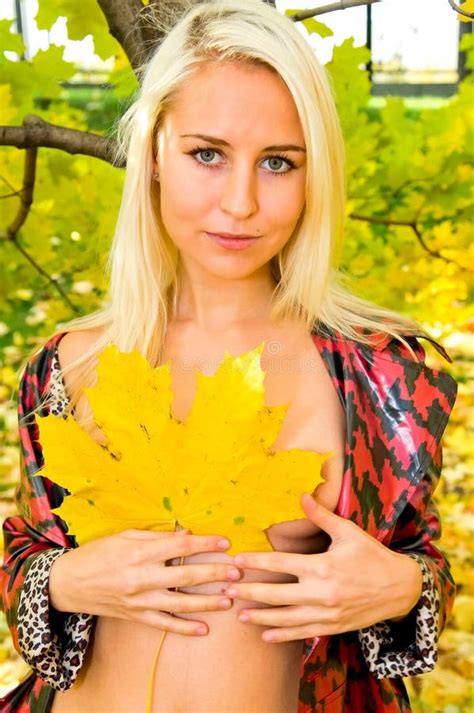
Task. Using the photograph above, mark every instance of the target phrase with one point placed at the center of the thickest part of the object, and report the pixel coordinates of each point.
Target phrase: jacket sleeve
(410, 646)
(53, 643)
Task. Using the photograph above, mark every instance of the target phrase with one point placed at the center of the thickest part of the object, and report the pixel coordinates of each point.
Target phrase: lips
(232, 243)
(234, 236)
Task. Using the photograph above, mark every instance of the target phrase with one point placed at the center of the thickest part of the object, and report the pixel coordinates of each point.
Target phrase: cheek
(183, 193)
(184, 206)
(297, 194)
(282, 201)
(282, 215)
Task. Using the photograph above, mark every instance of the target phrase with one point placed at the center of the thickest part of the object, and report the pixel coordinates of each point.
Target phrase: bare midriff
(231, 669)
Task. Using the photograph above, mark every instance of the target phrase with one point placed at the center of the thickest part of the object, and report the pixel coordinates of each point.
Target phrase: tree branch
(409, 224)
(121, 17)
(43, 272)
(323, 9)
(346, 4)
(26, 200)
(10, 195)
(36, 132)
(26, 193)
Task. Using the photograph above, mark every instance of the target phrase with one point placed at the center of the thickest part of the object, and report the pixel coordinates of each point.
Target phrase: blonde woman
(227, 236)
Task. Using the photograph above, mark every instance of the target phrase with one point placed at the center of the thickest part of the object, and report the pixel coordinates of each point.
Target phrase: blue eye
(279, 157)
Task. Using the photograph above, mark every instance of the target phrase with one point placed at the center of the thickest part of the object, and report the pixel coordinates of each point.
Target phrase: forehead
(235, 98)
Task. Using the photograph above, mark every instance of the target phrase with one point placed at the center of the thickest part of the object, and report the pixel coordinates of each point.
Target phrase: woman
(355, 594)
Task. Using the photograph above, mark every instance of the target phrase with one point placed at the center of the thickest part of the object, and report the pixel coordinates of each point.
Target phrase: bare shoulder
(70, 347)
(73, 344)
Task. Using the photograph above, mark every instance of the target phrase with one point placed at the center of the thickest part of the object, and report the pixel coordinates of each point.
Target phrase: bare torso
(231, 670)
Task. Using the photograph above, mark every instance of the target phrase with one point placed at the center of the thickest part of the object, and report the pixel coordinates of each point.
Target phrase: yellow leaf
(215, 473)
(463, 612)
(467, 6)
(7, 111)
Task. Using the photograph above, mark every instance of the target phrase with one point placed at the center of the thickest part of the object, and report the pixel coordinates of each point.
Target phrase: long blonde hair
(142, 268)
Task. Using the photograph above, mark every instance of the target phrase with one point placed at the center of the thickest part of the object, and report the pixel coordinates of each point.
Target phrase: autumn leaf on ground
(215, 473)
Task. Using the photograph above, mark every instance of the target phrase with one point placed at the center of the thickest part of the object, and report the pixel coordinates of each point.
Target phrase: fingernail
(233, 574)
(201, 630)
(223, 544)
(224, 603)
(231, 592)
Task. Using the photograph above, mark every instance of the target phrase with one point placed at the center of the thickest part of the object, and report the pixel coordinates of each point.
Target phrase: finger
(134, 534)
(188, 575)
(295, 633)
(178, 546)
(279, 616)
(167, 622)
(288, 562)
(337, 527)
(177, 602)
(278, 593)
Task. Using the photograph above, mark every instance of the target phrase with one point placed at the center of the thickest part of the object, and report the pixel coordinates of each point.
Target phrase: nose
(239, 192)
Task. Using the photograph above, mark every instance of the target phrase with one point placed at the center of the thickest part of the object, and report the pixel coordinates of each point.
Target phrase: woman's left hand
(355, 583)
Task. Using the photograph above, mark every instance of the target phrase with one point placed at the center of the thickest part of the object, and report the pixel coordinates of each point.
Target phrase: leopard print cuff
(421, 654)
(56, 656)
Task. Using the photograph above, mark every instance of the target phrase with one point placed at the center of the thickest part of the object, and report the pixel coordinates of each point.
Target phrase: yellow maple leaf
(467, 6)
(215, 473)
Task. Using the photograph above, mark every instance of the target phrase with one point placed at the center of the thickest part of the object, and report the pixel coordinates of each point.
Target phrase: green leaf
(313, 26)
(83, 18)
(11, 41)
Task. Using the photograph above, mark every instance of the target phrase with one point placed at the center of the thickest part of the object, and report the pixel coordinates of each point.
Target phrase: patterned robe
(396, 412)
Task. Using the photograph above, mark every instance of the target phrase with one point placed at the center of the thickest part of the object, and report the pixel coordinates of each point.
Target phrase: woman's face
(242, 187)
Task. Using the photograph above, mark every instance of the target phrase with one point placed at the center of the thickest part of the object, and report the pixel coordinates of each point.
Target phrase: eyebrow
(221, 142)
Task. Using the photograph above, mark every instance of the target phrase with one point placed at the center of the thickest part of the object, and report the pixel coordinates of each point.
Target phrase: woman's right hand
(125, 576)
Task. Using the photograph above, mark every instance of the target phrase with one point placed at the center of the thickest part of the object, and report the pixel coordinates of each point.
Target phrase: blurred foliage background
(408, 246)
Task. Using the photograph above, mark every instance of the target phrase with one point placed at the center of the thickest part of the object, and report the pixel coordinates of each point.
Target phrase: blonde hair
(142, 267)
